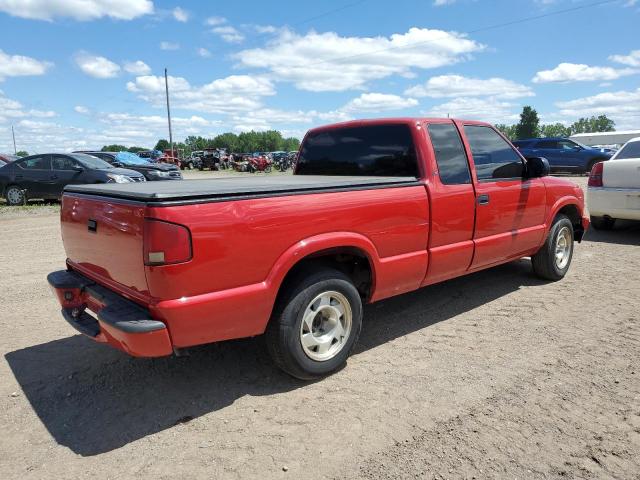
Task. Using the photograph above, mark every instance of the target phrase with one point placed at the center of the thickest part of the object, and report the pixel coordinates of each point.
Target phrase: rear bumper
(623, 203)
(118, 322)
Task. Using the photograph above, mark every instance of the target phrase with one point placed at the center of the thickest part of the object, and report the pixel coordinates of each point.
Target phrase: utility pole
(15, 151)
(166, 86)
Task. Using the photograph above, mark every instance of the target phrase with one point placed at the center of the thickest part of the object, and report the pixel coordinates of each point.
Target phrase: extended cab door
(510, 209)
(452, 200)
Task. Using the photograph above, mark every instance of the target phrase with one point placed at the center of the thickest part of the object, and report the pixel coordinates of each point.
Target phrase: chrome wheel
(15, 196)
(326, 326)
(564, 244)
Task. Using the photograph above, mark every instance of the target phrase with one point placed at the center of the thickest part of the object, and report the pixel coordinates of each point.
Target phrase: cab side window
(451, 158)
(35, 163)
(493, 157)
(61, 162)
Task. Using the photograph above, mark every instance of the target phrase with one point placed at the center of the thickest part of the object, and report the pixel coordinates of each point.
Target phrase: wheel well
(572, 212)
(349, 260)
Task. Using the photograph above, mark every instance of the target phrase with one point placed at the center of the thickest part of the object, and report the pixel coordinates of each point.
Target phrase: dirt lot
(495, 375)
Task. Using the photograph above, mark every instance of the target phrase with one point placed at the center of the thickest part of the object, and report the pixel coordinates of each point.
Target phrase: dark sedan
(152, 171)
(45, 175)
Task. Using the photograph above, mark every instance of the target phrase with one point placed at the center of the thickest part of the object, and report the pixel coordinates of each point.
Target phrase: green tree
(162, 145)
(136, 149)
(113, 148)
(593, 124)
(555, 130)
(508, 131)
(226, 140)
(291, 144)
(22, 153)
(529, 125)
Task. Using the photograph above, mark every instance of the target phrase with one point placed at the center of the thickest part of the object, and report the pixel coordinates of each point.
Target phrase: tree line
(529, 126)
(246, 142)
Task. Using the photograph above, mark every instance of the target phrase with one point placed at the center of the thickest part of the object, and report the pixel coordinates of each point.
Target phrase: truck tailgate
(103, 238)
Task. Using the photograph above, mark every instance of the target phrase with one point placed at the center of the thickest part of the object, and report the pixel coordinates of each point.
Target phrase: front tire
(315, 324)
(553, 260)
(15, 195)
(602, 223)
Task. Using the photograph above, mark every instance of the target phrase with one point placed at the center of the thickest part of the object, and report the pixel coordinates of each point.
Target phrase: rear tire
(602, 223)
(15, 195)
(315, 324)
(553, 260)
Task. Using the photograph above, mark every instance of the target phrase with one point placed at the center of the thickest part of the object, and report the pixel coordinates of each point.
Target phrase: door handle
(19, 176)
(54, 177)
(483, 199)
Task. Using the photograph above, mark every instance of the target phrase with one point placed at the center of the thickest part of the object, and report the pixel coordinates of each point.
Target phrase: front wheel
(15, 195)
(552, 261)
(315, 325)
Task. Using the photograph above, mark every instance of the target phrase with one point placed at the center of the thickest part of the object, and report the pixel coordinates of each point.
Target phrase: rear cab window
(453, 167)
(373, 150)
(493, 157)
(630, 150)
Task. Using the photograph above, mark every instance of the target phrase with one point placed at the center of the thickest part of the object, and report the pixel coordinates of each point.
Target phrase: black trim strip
(233, 197)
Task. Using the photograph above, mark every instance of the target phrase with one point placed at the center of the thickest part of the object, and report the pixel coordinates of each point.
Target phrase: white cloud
(19, 65)
(486, 109)
(77, 9)
(632, 60)
(96, 66)
(213, 21)
(236, 93)
(329, 62)
(622, 106)
(458, 86)
(12, 109)
(180, 15)
(137, 68)
(81, 109)
(378, 102)
(440, 3)
(203, 52)
(169, 46)
(228, 33)
(575, 72)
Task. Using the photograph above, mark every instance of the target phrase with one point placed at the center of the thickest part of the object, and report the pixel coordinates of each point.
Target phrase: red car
(375, 209)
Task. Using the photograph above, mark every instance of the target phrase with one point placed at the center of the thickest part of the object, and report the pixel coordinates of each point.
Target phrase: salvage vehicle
(8, 157)
(259, 163)
(564, 155)
(375, 208)
(613, 190)
(151, 171)
(45, 175)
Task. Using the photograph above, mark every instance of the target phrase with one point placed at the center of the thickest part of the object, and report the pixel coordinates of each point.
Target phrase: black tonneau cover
(229, 188)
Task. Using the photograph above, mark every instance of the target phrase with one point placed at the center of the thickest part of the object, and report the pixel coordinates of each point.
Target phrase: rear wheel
(602, 223)
(15, 195)
(552, 261)
(315, 325)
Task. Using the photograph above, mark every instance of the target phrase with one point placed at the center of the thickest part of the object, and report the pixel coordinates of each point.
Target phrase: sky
(82, 74)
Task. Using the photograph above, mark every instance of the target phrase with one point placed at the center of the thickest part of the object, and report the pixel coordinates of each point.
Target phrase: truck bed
(235, 188)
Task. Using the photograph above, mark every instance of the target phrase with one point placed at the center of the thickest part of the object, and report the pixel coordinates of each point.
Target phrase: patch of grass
(30, 209)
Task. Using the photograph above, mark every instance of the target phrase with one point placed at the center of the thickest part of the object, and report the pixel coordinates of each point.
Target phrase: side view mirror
(537, 167)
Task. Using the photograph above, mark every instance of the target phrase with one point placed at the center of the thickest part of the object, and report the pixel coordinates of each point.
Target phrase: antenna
(15, 151)
(166, 86)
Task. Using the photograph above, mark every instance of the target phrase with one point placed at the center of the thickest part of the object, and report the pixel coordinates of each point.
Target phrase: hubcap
(326, 326)
(14, 195)
(563, 247)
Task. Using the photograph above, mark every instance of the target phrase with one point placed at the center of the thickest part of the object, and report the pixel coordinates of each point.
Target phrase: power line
(477, 30)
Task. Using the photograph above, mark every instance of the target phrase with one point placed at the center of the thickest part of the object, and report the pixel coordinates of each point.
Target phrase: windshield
(630, 150)
(129, 158)
(91, 162)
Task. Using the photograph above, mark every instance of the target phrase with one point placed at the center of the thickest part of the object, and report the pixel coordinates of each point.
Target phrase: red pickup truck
(375, 208)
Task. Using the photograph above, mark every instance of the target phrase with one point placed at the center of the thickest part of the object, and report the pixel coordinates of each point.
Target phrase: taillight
(166, 243)
(595, 177)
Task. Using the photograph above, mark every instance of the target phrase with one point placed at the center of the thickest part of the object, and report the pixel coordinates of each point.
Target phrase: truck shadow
(93, 399)
(625, 232)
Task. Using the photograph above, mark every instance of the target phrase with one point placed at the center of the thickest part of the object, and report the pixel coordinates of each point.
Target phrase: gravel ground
(493, 375)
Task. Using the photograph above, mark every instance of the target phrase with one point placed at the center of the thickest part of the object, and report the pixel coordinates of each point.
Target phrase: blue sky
(84, 74)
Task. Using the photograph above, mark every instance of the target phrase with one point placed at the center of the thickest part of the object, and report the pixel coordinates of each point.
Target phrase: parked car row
(44, 176)
(220, 159)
